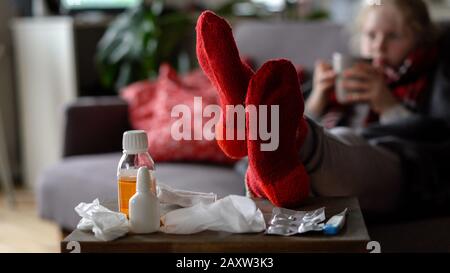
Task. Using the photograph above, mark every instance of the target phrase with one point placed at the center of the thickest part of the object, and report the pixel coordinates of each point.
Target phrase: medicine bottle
(135, 155)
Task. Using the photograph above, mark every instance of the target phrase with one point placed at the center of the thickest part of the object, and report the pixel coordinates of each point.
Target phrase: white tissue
(183, 198)
(107, 225)
(236, 214)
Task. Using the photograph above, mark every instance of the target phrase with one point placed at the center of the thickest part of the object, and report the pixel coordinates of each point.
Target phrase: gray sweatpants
(342, 163)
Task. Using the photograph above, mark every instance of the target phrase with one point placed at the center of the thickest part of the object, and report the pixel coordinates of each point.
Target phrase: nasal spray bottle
(144, 205)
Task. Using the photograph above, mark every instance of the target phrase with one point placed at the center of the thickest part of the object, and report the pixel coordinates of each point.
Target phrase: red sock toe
(278, 174)
(219, 58)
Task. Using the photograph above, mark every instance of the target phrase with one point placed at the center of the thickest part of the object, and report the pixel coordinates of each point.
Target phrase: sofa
(94, 128)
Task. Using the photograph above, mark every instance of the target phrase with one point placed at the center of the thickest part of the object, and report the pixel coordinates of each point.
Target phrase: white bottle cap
(143, 180)
(135, 141)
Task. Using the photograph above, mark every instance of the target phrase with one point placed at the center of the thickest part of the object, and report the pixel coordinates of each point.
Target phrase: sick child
(392, 159)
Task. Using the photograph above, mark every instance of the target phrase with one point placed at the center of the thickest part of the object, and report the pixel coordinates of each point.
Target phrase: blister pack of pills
(288, 222)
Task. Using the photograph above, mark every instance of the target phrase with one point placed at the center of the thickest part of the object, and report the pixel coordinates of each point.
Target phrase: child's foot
(278, 175)
(219, 58)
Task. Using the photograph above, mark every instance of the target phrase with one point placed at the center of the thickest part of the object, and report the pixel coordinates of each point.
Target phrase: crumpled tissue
(183, 198)
(107, 225)
(235, 214)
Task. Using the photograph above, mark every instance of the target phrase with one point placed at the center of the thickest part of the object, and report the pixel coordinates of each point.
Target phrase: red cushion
(150, 107)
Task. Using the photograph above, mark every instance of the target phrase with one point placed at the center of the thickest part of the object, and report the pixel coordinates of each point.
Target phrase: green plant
(138, 41)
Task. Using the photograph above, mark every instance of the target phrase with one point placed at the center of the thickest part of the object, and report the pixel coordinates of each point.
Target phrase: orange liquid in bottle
(127, 188)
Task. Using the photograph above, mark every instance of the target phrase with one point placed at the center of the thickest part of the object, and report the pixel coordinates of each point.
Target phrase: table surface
(353, 237)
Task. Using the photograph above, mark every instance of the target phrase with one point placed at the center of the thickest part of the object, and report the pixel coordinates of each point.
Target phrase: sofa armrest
(95, 125)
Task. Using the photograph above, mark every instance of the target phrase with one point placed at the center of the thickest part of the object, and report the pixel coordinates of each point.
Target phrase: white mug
(341, 62)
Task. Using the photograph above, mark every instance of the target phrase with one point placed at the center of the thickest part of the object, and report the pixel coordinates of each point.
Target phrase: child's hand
(324, 81)
(365, 83)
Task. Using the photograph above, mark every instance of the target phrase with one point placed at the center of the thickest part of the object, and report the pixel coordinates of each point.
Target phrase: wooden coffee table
(353, 238)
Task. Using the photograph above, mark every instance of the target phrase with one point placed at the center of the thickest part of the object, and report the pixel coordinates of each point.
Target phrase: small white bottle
(144, 205)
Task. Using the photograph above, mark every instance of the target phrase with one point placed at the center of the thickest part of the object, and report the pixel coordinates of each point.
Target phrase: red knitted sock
(278, 175)
(219, 58)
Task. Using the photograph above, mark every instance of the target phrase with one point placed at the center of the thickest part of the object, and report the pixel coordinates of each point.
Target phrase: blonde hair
(415, 13)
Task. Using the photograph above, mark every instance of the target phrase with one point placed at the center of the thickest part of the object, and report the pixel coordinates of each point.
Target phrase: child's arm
(324, 79)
